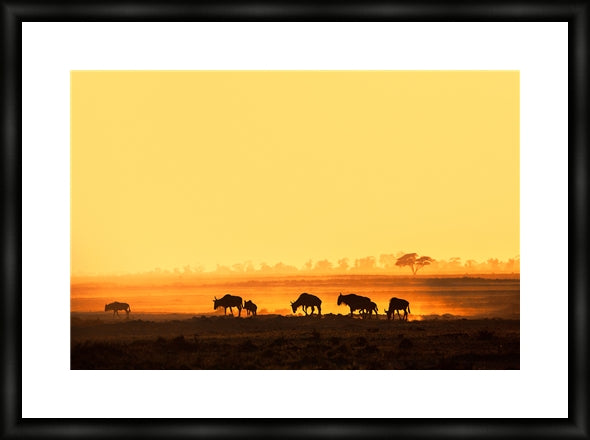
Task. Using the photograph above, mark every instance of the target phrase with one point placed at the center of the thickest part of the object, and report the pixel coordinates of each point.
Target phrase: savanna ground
(281, 342)
(455, 323)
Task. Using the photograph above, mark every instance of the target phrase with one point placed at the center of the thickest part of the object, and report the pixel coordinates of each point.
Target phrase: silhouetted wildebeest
(372, 308)
(116, 306)
(250, 307)
(397, 304)
(355, 302)
(306, 300)
(228, 301)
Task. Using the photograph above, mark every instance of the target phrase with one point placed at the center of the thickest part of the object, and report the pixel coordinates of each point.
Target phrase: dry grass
(279, 342)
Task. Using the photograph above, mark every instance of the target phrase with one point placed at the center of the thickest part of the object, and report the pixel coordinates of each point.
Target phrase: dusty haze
(473, 296)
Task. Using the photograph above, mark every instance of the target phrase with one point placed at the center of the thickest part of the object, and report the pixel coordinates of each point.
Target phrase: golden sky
(173, 168)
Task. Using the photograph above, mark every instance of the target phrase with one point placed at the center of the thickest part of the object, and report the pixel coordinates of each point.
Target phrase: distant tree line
(386, 264)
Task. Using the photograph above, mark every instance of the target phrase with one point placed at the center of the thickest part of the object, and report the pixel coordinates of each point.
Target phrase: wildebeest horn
(291, 302)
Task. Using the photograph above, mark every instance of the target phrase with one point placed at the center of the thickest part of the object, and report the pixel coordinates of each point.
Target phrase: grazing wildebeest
(306, 300)
(228, 301)
(116, 306)
(397, 304)
(355, 302)
(250, 307)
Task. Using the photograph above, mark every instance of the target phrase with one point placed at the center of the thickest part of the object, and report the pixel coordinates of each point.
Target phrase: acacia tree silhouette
(414, 262)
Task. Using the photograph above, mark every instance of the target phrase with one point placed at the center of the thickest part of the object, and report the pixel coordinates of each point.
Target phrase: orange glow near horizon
(496, 296)
(207, 168)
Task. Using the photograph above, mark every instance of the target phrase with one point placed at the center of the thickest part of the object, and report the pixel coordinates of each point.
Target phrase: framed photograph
(163, 121)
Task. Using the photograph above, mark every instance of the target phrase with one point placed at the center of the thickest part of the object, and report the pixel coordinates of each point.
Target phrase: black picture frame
(14, 13)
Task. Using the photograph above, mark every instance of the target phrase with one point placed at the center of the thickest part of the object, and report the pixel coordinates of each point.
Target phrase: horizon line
(345, 265)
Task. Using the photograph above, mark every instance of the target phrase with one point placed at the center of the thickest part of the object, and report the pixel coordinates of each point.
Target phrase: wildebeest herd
(363, 304)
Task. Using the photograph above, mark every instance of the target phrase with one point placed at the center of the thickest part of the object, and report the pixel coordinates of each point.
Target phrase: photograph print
(295, 220)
